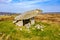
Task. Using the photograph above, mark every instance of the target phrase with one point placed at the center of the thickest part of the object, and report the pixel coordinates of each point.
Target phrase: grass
(51, 31)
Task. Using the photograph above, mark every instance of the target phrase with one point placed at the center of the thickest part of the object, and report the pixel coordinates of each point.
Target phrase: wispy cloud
(27, 3)
(21, 1)
(24, 5)
(5, 1)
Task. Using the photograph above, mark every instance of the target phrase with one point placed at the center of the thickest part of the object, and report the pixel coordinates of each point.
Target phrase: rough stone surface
(20, 23)
(39, 27)
(27, 25)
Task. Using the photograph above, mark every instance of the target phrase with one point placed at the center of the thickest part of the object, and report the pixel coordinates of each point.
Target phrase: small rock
(42, 30)
(21, 29)
(39, 27)
(14, 21)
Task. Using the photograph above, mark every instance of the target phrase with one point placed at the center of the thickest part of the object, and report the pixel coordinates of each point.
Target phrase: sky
(19, 6)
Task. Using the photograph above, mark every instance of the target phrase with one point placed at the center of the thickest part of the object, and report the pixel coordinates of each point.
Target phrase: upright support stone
(27, 25)
(20, 23)
(32, 21)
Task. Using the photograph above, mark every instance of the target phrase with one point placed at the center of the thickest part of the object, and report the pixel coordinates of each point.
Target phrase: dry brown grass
(48, 18)
(2, 18)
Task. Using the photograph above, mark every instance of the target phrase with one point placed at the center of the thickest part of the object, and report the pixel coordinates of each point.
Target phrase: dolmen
(26, 18)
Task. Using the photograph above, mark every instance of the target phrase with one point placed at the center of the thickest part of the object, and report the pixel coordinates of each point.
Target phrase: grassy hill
(13, 32)
(9, 31)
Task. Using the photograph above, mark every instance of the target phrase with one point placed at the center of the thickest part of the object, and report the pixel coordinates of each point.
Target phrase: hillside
(50, 22)
(43, 17)
(8, 13)
(49, 17)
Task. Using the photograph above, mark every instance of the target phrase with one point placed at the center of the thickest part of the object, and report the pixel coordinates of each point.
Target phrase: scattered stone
(21, 29)
(14, 21)
(42, 30)
(39, 27)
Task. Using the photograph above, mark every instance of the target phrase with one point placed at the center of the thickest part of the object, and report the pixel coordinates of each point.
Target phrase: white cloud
(27, 3)
(5, 1)
(41, 0)
(8, 1)
(23, 6)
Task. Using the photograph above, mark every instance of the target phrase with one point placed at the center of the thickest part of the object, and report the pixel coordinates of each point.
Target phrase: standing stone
(20, 23)
(27, 25)
(32, 21)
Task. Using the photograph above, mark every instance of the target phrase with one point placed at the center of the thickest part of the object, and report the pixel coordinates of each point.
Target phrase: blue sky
(20, 6)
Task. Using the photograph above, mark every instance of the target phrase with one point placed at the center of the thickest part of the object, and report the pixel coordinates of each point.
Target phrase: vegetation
(9, 31)
(13, 32)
